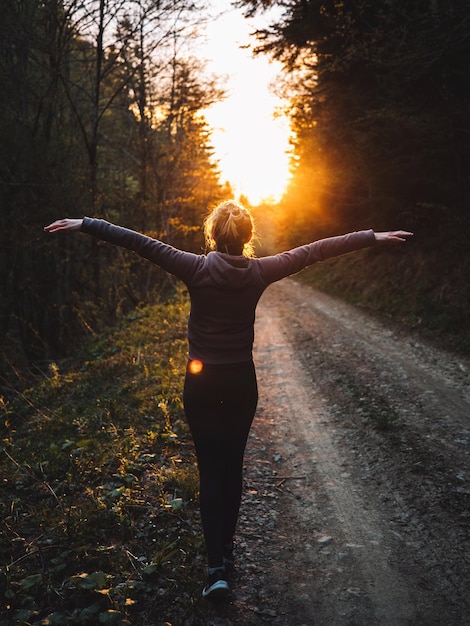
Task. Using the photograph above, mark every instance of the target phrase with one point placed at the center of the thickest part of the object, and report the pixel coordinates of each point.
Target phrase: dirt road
(358, 474)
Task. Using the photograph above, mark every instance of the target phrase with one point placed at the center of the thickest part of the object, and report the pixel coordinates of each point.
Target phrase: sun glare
(251, 144)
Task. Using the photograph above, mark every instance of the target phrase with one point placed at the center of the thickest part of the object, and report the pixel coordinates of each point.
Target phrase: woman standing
(220, 389)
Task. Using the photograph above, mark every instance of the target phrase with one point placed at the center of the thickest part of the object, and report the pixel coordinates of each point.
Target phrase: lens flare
(195, 367)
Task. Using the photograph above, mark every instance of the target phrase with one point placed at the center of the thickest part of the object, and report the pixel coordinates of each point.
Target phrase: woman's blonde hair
(230, 228)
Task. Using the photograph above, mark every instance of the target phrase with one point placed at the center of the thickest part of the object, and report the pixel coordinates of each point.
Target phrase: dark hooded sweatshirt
(225, 289)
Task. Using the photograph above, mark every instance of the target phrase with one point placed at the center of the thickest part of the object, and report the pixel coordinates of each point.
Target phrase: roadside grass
(99, 484)
(420, 285)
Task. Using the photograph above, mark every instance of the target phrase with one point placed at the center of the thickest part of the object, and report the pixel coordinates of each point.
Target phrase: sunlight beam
(250, 142)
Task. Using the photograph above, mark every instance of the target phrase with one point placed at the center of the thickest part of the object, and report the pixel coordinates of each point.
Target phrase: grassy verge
(424, 287)
(99, 485)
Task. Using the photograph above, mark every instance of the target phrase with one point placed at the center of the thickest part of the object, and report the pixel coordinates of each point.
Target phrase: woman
(220, 389)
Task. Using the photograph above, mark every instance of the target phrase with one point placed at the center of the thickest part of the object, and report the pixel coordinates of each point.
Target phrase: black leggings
(220, 403)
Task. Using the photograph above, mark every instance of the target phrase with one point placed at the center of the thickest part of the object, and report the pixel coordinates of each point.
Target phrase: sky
(250, 144)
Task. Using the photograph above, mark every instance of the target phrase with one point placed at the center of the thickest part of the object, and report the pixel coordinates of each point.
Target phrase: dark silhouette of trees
(100, 115)
(379, 97)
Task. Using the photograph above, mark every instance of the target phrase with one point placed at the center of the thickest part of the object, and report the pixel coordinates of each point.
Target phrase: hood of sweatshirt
(229, 271)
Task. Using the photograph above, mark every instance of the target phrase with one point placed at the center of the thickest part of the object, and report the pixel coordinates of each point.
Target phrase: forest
(102, 114)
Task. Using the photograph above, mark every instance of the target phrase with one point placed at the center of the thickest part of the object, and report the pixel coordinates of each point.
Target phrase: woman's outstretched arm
(292, 261)
(180, 264)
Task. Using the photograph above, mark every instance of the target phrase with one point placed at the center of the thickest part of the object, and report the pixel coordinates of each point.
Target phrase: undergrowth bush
(99, 484)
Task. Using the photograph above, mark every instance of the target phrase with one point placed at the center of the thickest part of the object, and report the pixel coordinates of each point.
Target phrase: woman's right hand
(65, 224)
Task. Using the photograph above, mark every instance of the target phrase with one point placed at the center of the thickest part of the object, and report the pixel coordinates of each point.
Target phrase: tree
(382, 105)
(74, 142)
(38, 163)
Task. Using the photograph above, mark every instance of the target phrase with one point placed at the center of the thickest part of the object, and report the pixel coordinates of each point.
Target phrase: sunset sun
(251, 143)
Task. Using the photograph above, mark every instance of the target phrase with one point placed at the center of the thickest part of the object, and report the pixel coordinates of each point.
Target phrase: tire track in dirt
(348, 529)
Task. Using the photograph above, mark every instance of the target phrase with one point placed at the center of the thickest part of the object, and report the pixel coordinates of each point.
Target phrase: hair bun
(229, 226)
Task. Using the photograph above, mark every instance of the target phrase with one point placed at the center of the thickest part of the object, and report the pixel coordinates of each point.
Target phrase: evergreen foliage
(378, 93)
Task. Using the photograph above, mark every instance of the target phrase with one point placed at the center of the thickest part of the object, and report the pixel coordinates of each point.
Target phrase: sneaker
(217, 586)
